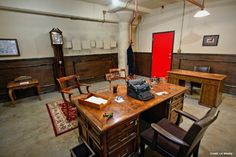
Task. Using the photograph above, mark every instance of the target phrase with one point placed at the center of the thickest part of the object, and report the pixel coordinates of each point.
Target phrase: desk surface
(14, 84)
(126, 109)
(198, 74)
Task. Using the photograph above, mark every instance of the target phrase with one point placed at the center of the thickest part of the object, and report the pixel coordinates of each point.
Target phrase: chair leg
(195, 153)
(67, 112)
(191, 89)
(142, 149)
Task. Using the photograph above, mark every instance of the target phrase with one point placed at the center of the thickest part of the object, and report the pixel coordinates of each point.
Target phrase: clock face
(57, 38)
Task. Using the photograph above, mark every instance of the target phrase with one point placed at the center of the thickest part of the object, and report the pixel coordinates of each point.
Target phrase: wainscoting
(219, 63)
(40, 68)
(143, 63)
(90, 68)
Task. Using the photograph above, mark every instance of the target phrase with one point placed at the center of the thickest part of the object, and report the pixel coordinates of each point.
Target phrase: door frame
(172, 47)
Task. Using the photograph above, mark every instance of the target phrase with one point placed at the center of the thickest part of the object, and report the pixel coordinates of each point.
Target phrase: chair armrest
(86, 85)
(193, 118)
(168, 135)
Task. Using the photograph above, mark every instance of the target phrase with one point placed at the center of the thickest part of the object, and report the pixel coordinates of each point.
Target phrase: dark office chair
(171, 140)
(67, 84)
(199, 69)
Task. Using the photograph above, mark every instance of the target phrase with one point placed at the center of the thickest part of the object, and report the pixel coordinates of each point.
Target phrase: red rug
(57, 112)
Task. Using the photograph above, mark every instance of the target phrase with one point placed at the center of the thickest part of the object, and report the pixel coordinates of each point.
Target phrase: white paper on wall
(67, 45)
(99, 44)
(113, 44)
(93, 43)
(86, 44)
(107, 44)
(76, 44)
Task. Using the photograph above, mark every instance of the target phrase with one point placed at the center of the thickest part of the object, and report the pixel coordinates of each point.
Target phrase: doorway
(162, 48)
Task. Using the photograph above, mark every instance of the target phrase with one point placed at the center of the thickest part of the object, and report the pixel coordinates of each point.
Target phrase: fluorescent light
(201, 13)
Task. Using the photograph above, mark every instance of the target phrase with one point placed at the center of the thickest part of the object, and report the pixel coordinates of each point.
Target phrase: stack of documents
(96, 100)
(161, 93)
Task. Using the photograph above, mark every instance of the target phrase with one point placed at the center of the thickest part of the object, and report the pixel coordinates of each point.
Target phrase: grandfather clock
(57, 43)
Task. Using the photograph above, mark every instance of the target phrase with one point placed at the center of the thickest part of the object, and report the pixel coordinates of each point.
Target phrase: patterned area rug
(57, 112)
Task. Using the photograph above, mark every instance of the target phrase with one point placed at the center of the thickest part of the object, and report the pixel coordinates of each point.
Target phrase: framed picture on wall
(9, 47)
(210, 40)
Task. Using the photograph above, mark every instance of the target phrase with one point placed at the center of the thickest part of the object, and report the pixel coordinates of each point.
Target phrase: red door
(162, 48)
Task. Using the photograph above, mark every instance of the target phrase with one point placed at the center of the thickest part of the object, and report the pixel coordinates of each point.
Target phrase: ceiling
(149, 4)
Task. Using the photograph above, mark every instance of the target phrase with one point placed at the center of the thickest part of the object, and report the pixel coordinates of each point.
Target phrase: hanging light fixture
(202, 12)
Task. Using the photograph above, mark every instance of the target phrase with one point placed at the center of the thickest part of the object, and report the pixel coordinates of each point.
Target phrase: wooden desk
(212, 85)
(21, 85)
(118, 136)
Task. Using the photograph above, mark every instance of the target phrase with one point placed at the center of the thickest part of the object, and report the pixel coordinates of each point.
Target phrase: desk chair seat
(171, 140)
(164, 145)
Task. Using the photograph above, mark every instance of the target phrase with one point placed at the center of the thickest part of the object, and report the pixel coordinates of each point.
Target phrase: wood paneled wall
(219, 63)
(41, 69)
(90, 68)
(143, 63)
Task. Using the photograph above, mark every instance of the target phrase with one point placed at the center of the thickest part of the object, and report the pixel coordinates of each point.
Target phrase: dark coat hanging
(130, 60)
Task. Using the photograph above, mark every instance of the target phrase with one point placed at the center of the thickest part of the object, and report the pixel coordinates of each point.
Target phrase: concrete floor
(26, 129)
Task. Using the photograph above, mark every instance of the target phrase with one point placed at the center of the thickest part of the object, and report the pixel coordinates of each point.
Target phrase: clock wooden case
(57, 43)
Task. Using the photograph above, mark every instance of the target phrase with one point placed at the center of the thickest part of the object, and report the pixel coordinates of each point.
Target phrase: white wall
(32, 31)
(222, 21)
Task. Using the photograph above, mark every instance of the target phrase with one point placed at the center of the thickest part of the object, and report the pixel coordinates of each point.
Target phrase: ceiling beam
(197, 3)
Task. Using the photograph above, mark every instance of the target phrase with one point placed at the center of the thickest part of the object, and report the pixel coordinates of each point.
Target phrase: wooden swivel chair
(67, 84)
(171, 140)
(199, 69)
(116, 74)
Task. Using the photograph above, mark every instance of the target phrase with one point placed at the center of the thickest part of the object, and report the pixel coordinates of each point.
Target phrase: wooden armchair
(116, 74)
(67, 84)
(199, 69)
(171, 140)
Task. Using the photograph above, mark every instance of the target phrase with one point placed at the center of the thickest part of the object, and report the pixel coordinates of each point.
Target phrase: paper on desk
(161, 93)
(119, 99)
(96, 100)
(23, 83)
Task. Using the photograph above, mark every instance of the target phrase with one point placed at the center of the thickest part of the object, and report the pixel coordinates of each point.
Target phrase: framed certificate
(210, 40)
(9, 47)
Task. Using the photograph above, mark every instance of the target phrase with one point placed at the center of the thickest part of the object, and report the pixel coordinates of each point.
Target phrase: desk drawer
(176, 104)
(121, 138)
(122, 128)
(126, 148)
(177, 98)
(173, 114)
(95, 136)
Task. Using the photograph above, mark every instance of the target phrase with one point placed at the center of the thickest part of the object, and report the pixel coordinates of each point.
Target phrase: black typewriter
(139, 89)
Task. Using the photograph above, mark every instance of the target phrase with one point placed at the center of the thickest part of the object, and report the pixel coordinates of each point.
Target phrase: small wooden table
(22, 85)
